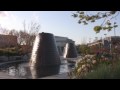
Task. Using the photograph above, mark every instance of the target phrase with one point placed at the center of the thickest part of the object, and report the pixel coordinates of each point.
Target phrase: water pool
(22, 70)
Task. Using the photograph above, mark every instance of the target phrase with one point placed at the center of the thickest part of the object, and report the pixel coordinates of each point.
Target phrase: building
(61, 42)
(108, 44)
(8, 41)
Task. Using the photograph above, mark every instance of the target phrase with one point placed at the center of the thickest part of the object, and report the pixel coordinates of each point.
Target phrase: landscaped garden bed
(12, 54)
(103, 66)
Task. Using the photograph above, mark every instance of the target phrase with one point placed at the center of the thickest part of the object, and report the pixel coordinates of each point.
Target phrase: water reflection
(22, 70)
(19, 70)
(44, 71)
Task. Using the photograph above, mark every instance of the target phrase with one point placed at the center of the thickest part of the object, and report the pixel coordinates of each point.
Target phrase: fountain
(44, 71)
(45, 54)
(44, 61)
(70, 51)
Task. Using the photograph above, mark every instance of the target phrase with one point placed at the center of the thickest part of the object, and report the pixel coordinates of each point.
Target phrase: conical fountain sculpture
(45, 59)
(70, 51)
(45, 52)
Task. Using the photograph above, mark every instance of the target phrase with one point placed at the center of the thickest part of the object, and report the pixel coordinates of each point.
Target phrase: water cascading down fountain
(70, 51)
(45, 59)
(60, 51)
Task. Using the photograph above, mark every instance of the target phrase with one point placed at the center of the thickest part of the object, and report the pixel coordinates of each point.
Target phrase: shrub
(90, 63)
(10, 51)
(104, 71)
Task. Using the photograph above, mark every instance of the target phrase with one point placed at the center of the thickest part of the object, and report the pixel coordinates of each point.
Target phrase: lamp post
(114, 30)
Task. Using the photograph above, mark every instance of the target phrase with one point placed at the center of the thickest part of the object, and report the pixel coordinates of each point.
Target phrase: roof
(63, 39)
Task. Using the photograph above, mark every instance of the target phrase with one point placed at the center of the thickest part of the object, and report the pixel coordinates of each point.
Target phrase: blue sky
(60, 23)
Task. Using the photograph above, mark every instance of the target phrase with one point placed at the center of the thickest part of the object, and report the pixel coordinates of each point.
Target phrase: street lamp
(114, 29)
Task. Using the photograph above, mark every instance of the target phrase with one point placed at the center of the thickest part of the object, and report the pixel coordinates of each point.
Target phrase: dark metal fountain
(45, 57)
(70, 51)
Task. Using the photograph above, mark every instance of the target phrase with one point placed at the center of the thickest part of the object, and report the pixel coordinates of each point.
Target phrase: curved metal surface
(45, 52)
(70, 51)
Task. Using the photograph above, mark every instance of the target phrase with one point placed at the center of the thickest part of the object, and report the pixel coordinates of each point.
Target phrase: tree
(13, 32)
(26, 36)
(107, 16)
(83, 49)
(31, 32)
(3, 30)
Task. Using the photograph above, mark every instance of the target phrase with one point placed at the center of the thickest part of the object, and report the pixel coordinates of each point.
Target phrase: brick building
(107, 44)
(8, 41)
